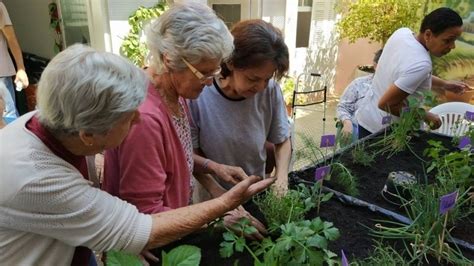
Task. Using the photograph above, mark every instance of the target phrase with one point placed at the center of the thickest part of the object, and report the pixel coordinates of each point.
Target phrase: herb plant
(300, 243)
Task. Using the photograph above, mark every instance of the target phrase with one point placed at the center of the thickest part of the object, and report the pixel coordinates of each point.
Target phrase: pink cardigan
(149, 168)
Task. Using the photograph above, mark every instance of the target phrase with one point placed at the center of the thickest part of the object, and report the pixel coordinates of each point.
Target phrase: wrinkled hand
(433, 120)
(245, 189)
(227, 173)
(232, 217)
(280, 187)
(21, 76)
(456, 86)
(147, 255)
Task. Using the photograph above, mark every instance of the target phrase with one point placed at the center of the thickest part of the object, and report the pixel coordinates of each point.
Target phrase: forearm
(210, 184)
(202, 165)
(14, 47)
(437, 82)
(282, 160)
(173, 225)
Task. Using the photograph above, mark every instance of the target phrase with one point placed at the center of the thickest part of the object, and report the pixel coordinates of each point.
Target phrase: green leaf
(227, 249)
(120, 258)
(228, 236)
(317, 241)
(331, 233)
(185, 255)
(240, 244)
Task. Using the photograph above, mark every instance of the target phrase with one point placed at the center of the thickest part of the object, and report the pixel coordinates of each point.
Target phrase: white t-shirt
(405, 63)
(7, 68)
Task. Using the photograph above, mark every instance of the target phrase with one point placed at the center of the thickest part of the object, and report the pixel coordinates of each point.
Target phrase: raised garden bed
(353, 222)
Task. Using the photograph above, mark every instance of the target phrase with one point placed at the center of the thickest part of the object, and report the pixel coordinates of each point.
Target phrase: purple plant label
(344, 261)
(386, 120)
(447, 202)
(469, 116)
(327, 141)
(464, 141)
(321, 172)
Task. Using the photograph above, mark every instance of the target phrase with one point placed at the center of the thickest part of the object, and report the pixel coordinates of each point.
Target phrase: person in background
(50, 213)
(153, 167)
(5, 98)
(243, 107)
(350, 101)
(8, 40)
(405, 68)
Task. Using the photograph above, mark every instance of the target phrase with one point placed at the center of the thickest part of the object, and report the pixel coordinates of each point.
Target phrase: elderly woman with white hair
(50, 214)
(153, 167)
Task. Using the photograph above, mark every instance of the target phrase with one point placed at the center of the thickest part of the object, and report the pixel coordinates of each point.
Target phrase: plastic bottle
(19, 85)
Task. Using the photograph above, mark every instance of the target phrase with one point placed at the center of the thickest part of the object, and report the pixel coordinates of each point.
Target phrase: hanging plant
(132, 47)
(55, 24)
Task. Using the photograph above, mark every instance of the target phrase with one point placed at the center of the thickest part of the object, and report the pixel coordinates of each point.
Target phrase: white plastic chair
(452, 118)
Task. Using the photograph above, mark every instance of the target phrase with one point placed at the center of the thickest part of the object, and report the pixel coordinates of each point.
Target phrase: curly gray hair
(191, 31)
(83, 89)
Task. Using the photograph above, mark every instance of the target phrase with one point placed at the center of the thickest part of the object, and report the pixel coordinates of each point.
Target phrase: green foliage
(132, 47)
(343, 177)
(383, 255)
(360, 155)
(300, 243)
(184, 255)
(119, 258)
(402, 130)
(376, 19)
(292, 206)
(423, 236)
(453, 169)
(288, 89)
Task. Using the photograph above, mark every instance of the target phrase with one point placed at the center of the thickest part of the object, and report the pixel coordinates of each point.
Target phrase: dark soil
(371, 180)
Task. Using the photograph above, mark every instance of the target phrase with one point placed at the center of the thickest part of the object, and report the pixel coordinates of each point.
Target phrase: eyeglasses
(202, 78)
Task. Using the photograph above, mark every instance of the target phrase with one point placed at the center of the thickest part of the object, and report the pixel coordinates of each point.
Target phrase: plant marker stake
(446, 203)
(464, 141)
(344, 261)
(319, 175)
(469, 116)
(327, 141)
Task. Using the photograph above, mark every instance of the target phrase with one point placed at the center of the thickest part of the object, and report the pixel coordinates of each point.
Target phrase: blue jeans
(9, 97)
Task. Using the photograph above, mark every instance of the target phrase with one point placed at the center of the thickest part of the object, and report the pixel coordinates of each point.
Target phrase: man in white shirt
(405, 68)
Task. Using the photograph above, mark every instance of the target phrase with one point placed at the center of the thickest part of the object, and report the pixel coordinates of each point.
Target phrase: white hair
(83, 89)
(190, 30)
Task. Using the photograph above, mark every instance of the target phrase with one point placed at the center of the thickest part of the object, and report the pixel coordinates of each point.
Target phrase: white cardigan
(47, 208)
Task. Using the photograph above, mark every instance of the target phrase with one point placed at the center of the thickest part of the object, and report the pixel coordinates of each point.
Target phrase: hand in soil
(232, 217)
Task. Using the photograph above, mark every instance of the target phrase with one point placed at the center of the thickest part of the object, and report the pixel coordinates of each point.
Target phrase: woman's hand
(227, 173)
(238, 213)
(433, 120)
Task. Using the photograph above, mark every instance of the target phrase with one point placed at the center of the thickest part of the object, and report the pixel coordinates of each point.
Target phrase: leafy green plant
(132, 47)
(453, 169)
(343, 177)
(292, 206)
(402, 131)
(300, 243)
(360, 155)
(288, 89)
(376, 19)
(423, 236)
(184, 255)
(383, 255)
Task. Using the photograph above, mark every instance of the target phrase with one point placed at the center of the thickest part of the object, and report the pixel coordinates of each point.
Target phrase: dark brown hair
(257, 41)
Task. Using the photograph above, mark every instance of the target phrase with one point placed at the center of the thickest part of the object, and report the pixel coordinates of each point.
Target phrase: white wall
(30, 20)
